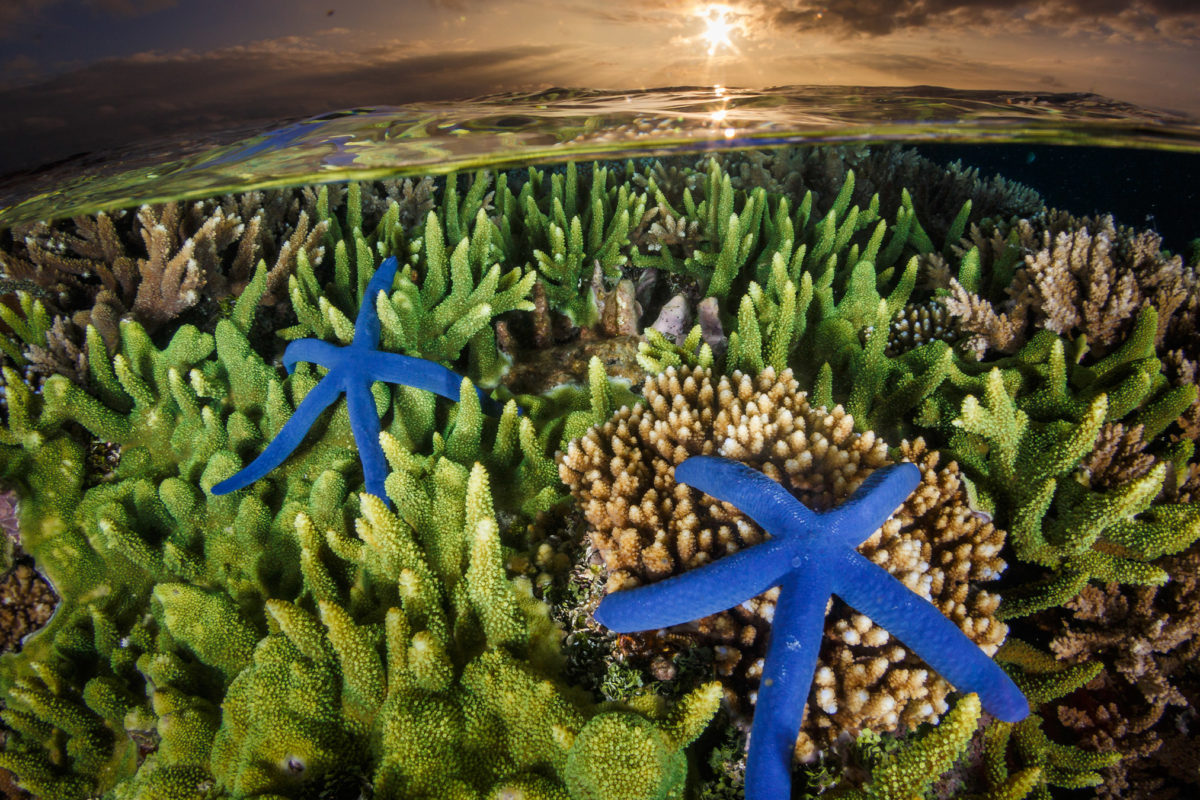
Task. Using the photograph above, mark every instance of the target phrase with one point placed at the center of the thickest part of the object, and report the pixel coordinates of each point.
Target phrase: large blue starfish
(810, 556)
(352, 370)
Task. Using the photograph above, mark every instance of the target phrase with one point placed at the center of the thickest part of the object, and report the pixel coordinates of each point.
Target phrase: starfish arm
(872, 503)
(916, 622)
(698, 592)
(754, 494)
(419, 373)
(288, 438)
(364, 423)
(312, 350)
(366, 325)
(786, 681)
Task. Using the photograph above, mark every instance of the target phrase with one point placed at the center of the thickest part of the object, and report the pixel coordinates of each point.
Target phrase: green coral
(1022, 444)
(461, 288)
(403, 628)
(447, 693)
(1025, 744)
(284, 648)
(908, 769)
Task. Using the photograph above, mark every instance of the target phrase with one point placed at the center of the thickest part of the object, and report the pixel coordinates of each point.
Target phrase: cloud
(129, 8)
(1141, 20)
(14, 13)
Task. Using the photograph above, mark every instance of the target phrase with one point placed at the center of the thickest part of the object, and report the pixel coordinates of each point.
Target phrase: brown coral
(26, 603)
(646, 527)
(1144, 703)
(1118, 457)
(917, 324)
(1080, 276)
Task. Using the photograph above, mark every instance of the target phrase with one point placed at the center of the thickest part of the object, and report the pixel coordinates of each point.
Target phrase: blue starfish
(352, 370)
(810, 556)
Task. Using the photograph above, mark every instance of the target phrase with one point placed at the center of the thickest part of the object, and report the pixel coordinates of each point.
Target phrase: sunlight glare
(717, 27)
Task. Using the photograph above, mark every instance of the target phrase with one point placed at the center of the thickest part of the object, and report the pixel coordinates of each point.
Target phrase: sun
(717, 27)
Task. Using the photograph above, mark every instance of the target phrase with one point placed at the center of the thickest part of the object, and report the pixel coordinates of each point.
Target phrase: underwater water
(326, 454)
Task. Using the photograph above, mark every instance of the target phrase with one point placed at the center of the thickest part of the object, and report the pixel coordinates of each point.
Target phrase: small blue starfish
(810, 556)
(352, 370)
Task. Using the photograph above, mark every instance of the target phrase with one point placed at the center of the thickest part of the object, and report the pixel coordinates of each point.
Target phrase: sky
(87, 75)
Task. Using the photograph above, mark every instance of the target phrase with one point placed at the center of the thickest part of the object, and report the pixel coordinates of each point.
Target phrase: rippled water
(561, 124)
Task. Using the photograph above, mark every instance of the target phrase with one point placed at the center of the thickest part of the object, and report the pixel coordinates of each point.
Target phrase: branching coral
(646, 527)
(1149, 638)
(855, 267)
(407, 657)
(257, 644)
(151, 266)
(1026, 746)
(1024, 452)
(26, 603)
(1083, 276)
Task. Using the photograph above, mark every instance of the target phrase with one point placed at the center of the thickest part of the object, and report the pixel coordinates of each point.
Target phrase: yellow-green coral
(290, 645)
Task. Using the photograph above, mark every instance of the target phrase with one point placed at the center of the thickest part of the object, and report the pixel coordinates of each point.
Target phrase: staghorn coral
(1118, 456)
(847, 257)
(1143, 704)
(152, 265)
(294, 638)
(1026, 746)
(940, 191)
(911, 768)
(453, 695)
(1023, 444)
(351, 371)
(1080, 276)
(646, 527)
(1182, 371)
(10, 525)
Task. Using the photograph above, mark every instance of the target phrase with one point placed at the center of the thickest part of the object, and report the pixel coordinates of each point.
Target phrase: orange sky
(80, 75)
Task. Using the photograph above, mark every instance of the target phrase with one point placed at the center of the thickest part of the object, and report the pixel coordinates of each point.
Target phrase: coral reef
(1142, 704)
(1037, 368)
(152, 265)
(26, 603)
(351, 371)
(1080, 276)
(219, 613)
(810, 557)
(646, 527)
(1026, 450)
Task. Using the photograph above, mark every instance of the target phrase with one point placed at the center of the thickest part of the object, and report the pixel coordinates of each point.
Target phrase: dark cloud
(1140, 19)
(152, 96)
(14, 13)
(129, 8)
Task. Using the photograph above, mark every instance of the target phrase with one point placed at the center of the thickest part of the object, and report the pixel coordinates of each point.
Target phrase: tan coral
(988, 329)
(917, 324)
(646, 527)
(1080, 276)
(1144, 703)
(1118, 457)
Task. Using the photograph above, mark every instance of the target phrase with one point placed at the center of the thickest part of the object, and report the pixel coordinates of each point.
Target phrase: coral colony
(352, 370)
(731, 372)
(810, 556)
